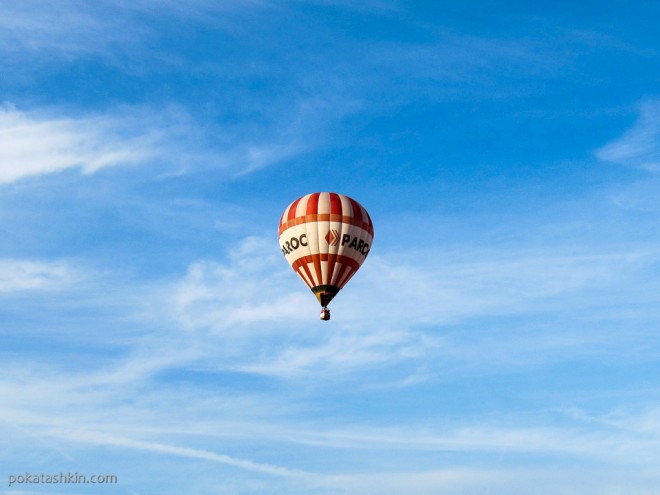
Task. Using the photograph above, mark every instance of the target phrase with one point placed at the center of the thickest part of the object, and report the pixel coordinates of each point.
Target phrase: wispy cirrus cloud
(213, 322)
(255, 301)
(19, 275)
(37, 144)
(185, 452)
(452, 285)
(43, 142)
(66, 28)
(71, 28)
(638, 147)
(157, 424)
(385, 315)
(496, 481)
(250, 314)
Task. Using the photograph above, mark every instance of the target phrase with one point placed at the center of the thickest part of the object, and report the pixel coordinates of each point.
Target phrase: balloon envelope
(325, 237)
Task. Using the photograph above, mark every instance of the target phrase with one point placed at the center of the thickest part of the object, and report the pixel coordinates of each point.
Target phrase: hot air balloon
(325, 237)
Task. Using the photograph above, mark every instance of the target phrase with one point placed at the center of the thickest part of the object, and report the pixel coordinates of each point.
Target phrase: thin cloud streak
(215, 316)
(41, 142)
(498, 481)
(18, 275)
(224, 304)
(453, 286)
(611, 436)
(639, 147)
(187, 452)
(33, 145)
(72, 29)
(630, 439)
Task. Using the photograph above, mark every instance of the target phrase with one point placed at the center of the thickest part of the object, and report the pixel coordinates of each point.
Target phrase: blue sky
(501, 338)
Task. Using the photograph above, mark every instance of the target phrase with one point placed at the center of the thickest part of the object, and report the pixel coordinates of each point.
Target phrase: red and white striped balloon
(325, 237)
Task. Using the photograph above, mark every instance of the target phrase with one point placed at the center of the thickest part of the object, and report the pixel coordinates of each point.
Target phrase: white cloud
(498, 480)
(66, 412)
(186, 452)
(28, 275)
(251, 314)
(640, 146)
(225, 298)
(445, 286)
(217, 321)
(255, 301)
(38, 25)
(390, 312)
(302, 125)
(72, 28)
(32, 145)
(42, 142)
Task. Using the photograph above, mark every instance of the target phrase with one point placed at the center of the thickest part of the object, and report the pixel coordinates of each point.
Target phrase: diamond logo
(332, 237)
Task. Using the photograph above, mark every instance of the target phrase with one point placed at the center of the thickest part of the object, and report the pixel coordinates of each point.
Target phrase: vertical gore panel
(301, 207)
(313, 204)
(323, 203)
(369, 222)
(340, 275)
(308, 279)
(312, 237)
(335, 204)
(336, 212)
(357, 211)
(292, 209)
(322, 229)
